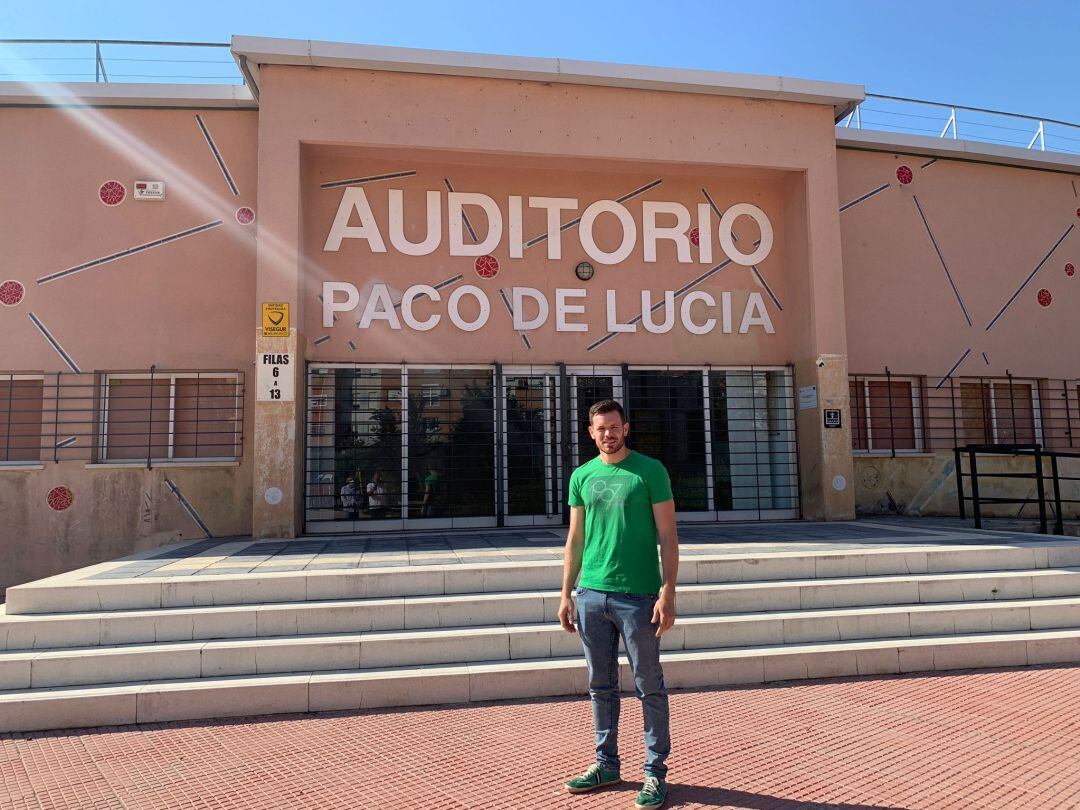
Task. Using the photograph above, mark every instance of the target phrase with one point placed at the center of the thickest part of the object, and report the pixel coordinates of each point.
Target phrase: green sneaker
(595, 777)
(653, 794)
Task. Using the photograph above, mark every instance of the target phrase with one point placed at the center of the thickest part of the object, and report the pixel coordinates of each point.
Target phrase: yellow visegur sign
(275, 319)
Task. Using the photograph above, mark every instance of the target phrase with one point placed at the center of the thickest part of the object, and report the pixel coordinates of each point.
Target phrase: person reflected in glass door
(350, 497)
(376, 496)
(432, 505)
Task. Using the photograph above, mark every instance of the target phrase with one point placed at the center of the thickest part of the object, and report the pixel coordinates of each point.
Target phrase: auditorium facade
(376, 289)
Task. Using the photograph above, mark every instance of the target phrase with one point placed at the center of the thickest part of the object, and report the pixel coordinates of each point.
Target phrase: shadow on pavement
(683, 795)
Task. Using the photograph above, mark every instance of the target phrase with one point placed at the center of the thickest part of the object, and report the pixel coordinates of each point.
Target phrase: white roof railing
(956, 121)
(115, 61)
(151, 62)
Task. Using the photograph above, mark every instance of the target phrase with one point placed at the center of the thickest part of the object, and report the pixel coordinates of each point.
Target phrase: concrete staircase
(78, 651)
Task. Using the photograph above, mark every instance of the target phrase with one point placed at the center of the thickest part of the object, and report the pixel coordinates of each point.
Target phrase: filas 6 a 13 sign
(275, 377)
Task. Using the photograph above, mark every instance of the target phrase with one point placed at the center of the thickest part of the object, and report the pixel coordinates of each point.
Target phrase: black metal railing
(1037, 473)
(149, 416)
(898, 413)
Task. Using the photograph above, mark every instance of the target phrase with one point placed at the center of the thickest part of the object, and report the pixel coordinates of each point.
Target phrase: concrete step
(454, 645)
(111, 627)
(91, 589)
(196, 698)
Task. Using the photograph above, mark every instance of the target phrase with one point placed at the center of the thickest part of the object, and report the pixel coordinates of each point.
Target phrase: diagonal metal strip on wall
(1031, 275)
(217, 155)
(112, 257)
(187, 507)
(757, 273)
(357, 181)
(536, 240)
(54, 343)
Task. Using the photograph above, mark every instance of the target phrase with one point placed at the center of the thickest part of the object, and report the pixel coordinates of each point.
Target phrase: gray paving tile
(175, 574)
(221, 572)
(471, 560)
(266, 569)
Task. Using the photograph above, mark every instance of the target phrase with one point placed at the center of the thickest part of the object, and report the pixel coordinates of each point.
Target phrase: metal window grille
(910, 413)
(21, 399)
(149, 416)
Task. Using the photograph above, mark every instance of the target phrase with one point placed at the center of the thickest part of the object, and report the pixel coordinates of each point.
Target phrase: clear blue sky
(1018, 56)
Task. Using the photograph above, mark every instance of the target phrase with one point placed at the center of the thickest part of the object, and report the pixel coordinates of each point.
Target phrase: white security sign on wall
(276, 379)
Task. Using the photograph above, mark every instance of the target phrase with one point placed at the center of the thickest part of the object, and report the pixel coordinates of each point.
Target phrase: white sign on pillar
(276, 380)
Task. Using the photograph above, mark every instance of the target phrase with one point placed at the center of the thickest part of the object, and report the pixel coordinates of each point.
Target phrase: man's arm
(575, 544)
(664, 612)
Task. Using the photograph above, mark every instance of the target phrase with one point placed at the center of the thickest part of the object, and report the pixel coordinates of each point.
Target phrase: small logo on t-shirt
(608, 490)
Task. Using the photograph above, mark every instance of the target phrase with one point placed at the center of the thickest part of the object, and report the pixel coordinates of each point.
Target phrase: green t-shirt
(620, 533)
(433, 482)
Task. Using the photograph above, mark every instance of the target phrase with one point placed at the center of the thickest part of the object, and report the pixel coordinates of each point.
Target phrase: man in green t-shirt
(620, 505)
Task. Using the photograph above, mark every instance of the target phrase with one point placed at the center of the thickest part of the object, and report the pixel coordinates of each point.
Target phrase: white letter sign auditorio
(629, 231)
(728, 243)
(436, 226)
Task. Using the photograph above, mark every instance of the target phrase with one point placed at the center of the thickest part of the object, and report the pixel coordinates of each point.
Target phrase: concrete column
(825, 460)
(277, 446)
(813, 242)
(278, 439)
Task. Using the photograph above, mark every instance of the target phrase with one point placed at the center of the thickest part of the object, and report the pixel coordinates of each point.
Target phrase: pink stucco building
(803, 321)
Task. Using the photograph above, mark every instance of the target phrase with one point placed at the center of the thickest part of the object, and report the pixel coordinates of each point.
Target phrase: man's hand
(664, 611)
(566, 614)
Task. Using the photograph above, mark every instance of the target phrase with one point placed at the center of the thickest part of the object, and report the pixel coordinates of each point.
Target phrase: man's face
(609, 431)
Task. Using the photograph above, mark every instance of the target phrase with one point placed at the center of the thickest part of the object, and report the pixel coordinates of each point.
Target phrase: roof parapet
(973, 151)
(100, 94)
(253, 52)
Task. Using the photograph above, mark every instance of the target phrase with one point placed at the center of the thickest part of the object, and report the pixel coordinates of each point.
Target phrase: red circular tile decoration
(1045, 298)
(695, 236)
(112, 192)
(1070, 271)
(245, 215)
(11, 292)
(60, 498)
(487, 266)
(904, 175)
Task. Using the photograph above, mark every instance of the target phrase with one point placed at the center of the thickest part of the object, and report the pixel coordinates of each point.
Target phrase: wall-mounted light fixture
(584, 271)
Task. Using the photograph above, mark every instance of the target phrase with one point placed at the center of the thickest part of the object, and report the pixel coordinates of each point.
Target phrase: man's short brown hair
(606, 406)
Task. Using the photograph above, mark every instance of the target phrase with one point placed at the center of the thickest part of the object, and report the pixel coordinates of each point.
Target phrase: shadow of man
(684, 795)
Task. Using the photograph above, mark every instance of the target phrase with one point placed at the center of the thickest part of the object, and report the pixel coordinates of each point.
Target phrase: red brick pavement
(983, 739)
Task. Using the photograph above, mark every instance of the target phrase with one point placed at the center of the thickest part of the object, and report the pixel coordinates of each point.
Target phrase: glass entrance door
(449, 474)
(393, 446)
(589, 385)
(751, 415)
(400, 447)
(355, 477)
(668, 422)
(531, 458)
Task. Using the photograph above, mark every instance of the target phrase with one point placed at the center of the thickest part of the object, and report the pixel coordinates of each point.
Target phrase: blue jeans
(602, 618)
